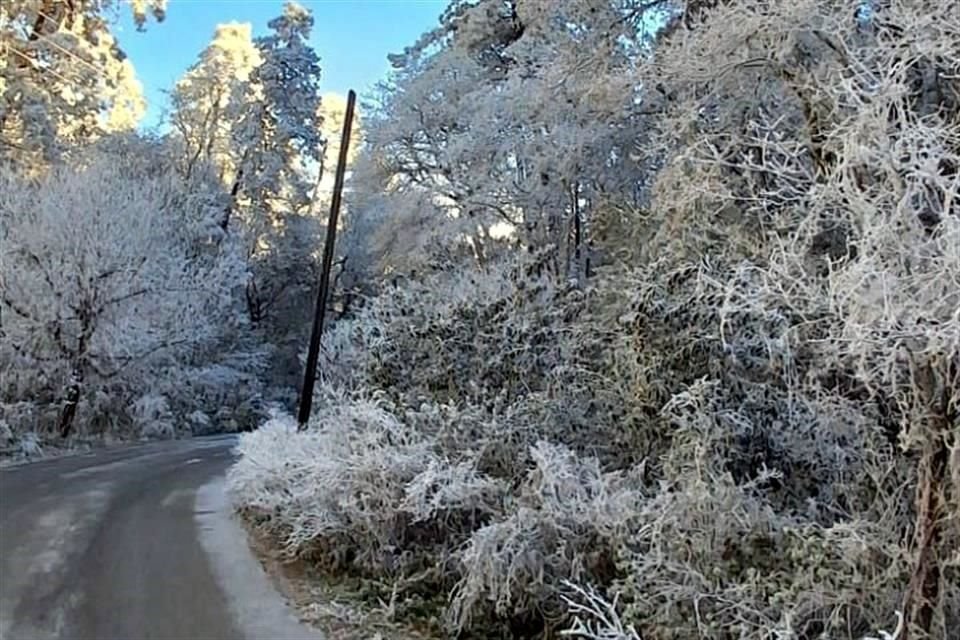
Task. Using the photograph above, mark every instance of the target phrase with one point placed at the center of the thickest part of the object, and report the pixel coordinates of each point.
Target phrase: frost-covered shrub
(722, 553)
(514, 352)
(28, 446)
(363, 492)
(228, 388)
(727, 444)
(199, 422)
(751, 405)
(832, 310)
(6, 433)
(455, 313)
(22, 417)
(597, 618)
(385, 499)
(348, 451)
(152, 417)
(566, 521)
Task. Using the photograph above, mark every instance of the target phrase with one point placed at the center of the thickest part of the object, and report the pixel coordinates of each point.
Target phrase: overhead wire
(34, 65)
(46, 38)
(38, 65)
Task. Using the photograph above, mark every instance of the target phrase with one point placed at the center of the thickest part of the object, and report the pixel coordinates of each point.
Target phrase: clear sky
(352, 37)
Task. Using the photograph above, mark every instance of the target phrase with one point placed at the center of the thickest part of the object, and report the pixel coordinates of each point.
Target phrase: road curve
(132, 544)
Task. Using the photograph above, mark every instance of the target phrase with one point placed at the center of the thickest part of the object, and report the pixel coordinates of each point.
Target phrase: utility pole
(313, 351)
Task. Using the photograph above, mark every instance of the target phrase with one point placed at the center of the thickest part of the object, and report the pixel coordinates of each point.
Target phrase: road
(135, 543)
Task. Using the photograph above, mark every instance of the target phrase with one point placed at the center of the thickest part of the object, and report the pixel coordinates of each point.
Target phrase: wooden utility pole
(313, 351)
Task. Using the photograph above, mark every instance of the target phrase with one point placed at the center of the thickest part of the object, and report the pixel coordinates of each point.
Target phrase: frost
(29, 445)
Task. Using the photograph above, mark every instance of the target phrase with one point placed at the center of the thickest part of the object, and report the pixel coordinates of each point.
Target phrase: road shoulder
(258, 608)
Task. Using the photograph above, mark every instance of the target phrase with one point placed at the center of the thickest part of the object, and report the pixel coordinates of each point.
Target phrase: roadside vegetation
(707, 383)
(646, 314)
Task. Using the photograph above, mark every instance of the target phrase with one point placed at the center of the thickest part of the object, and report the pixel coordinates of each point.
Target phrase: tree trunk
(923, 591)
(72, 401)
(234, 190)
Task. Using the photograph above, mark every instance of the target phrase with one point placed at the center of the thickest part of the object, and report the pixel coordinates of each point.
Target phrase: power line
(101, 72)
(45, 38)
(33, 64)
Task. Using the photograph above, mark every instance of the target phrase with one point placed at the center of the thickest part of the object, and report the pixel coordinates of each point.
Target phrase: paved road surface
(132, 544)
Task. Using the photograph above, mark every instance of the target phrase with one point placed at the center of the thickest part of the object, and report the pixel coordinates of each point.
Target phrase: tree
(64, 79)
(502, 118)
(280, 138)
(208, 102)
(115, 275)
(276, 147)
(280, 129)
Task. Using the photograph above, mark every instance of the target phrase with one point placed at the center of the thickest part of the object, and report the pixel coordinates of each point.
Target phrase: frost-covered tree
(280, 129)
(64, 79)
(278, 145)
(518, 113)
(251, 108)
(208, 101)
(116, 277)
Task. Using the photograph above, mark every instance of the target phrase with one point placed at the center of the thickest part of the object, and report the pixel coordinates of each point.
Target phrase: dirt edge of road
(335, 610)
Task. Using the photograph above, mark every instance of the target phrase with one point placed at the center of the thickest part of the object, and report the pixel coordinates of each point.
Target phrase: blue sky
(352, 37)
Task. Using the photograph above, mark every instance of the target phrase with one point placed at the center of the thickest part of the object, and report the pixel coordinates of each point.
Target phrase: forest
(645, 317)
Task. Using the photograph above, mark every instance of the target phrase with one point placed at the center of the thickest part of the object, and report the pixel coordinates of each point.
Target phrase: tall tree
(64, 79)
(110, 279)
(279, 140)
(208, 100)
(516, 112)
(251, 110)
(280, 131)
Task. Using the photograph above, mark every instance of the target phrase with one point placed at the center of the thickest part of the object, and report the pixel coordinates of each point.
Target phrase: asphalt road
(132, 544)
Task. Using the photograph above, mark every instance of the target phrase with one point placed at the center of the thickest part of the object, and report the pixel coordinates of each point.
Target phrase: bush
(363, 492)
